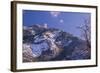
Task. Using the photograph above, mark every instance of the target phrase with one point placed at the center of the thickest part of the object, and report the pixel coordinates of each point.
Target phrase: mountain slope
(50, 44)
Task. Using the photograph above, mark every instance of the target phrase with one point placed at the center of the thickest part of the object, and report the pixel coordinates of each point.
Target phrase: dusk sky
(66, 21)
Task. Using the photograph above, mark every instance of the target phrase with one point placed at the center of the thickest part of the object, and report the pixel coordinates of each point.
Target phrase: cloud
(54, 13)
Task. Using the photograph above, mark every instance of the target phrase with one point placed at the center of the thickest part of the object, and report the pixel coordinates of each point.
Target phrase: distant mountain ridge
(50, 44)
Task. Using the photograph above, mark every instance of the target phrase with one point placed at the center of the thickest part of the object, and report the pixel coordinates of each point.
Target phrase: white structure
(45, 25)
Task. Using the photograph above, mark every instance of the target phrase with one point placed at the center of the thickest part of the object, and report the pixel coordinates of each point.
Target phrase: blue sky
(66, 21)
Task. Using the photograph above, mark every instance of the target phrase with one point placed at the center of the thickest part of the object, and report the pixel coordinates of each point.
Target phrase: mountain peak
(53, 44)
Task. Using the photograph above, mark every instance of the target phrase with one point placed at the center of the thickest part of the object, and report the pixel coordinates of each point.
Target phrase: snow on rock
(38, 48)
(44, 44)
(27, 53)
(53, 47)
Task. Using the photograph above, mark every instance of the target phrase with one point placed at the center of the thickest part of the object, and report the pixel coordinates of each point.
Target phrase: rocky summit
(41, 43)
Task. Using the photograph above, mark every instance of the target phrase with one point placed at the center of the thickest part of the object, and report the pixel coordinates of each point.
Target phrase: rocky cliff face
(50, 44)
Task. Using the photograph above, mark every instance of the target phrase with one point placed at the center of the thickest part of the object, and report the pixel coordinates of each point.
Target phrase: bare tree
(86, 32)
